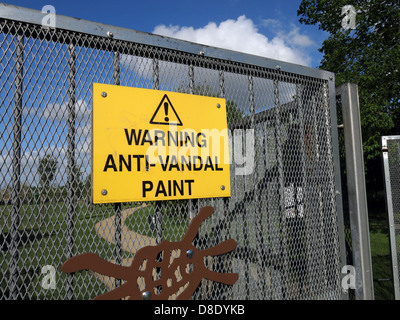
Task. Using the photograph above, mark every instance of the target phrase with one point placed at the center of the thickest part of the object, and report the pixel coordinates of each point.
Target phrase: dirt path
(131, 241)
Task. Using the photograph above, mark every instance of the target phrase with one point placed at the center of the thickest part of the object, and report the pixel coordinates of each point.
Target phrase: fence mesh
(391, 161)
(282, 211)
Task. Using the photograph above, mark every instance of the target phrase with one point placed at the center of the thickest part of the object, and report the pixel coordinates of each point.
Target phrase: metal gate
(285, 211)
(391, 164)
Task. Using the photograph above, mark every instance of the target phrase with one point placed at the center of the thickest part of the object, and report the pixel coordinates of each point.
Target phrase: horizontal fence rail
(285, 210)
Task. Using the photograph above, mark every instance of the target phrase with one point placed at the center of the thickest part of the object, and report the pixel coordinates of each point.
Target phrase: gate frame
(25, 15)
(389, 207)
(32, 16)
(357, 196)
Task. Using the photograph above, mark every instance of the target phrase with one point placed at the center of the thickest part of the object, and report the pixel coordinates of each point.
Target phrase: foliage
(368, 55)
(77, 184)
(47, 170)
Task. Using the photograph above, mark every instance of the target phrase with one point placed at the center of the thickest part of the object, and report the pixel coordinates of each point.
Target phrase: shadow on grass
(22, 285)
(383, 278)
(25, 237)
(380, 255)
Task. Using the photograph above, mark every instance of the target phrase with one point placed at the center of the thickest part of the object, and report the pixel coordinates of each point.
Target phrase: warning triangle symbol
(166, 113)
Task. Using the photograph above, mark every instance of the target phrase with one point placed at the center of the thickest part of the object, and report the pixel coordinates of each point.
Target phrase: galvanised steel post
(356, 192)
(261, 271)
(192, 203)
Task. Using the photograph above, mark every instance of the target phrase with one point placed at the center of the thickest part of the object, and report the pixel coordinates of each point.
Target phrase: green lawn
(381, 258)
(379, 242)
(43, 242)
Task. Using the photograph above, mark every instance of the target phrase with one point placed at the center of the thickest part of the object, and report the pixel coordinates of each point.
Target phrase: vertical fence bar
(71, 162)
(306, 118)
(16, 165)
(117, 206)
(226, 212)
(261, 271)
(281, 186)
(337, 176)
(221, 94)
(191, 79)
(192, 203)
(158, 204)
(245, 252)
(357, 193)
(304, 187)
(156, 75)
(318, 251)
(221, 77)
(331, 195)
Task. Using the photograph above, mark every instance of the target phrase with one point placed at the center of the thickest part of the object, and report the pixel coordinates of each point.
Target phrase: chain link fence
(284, 211)
(391, 163)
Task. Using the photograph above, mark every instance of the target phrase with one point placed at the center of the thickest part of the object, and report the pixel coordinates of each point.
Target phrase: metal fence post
(193, 204)
(158, 204)
(356, 191)
(117, 206)
(261, 270)
(71, 161)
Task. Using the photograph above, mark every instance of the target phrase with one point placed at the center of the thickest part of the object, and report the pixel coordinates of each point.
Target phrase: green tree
(87, 188)
(78, 184)
(47, 168)
(368, 55)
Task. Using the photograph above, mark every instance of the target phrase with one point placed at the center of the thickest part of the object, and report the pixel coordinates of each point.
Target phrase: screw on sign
(190, 267)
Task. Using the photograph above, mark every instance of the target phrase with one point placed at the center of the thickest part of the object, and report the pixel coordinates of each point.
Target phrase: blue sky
(273, 25)
(266, 28)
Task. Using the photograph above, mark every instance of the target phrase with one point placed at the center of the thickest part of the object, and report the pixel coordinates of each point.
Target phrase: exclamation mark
(166, 111)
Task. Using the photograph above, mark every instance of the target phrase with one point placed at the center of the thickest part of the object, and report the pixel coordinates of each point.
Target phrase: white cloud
(291, 34)
(294, 37)
(56, 111)
(55, 143)
(242, 35)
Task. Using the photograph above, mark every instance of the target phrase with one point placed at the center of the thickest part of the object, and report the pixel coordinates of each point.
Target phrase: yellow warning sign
(157, 145)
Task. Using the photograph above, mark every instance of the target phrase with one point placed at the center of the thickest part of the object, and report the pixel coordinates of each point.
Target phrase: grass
(381, 258)
(379, 242)
(44, 243)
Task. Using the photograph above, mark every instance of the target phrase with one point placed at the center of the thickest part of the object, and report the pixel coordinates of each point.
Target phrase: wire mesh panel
(283, 211)
(391, 162)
